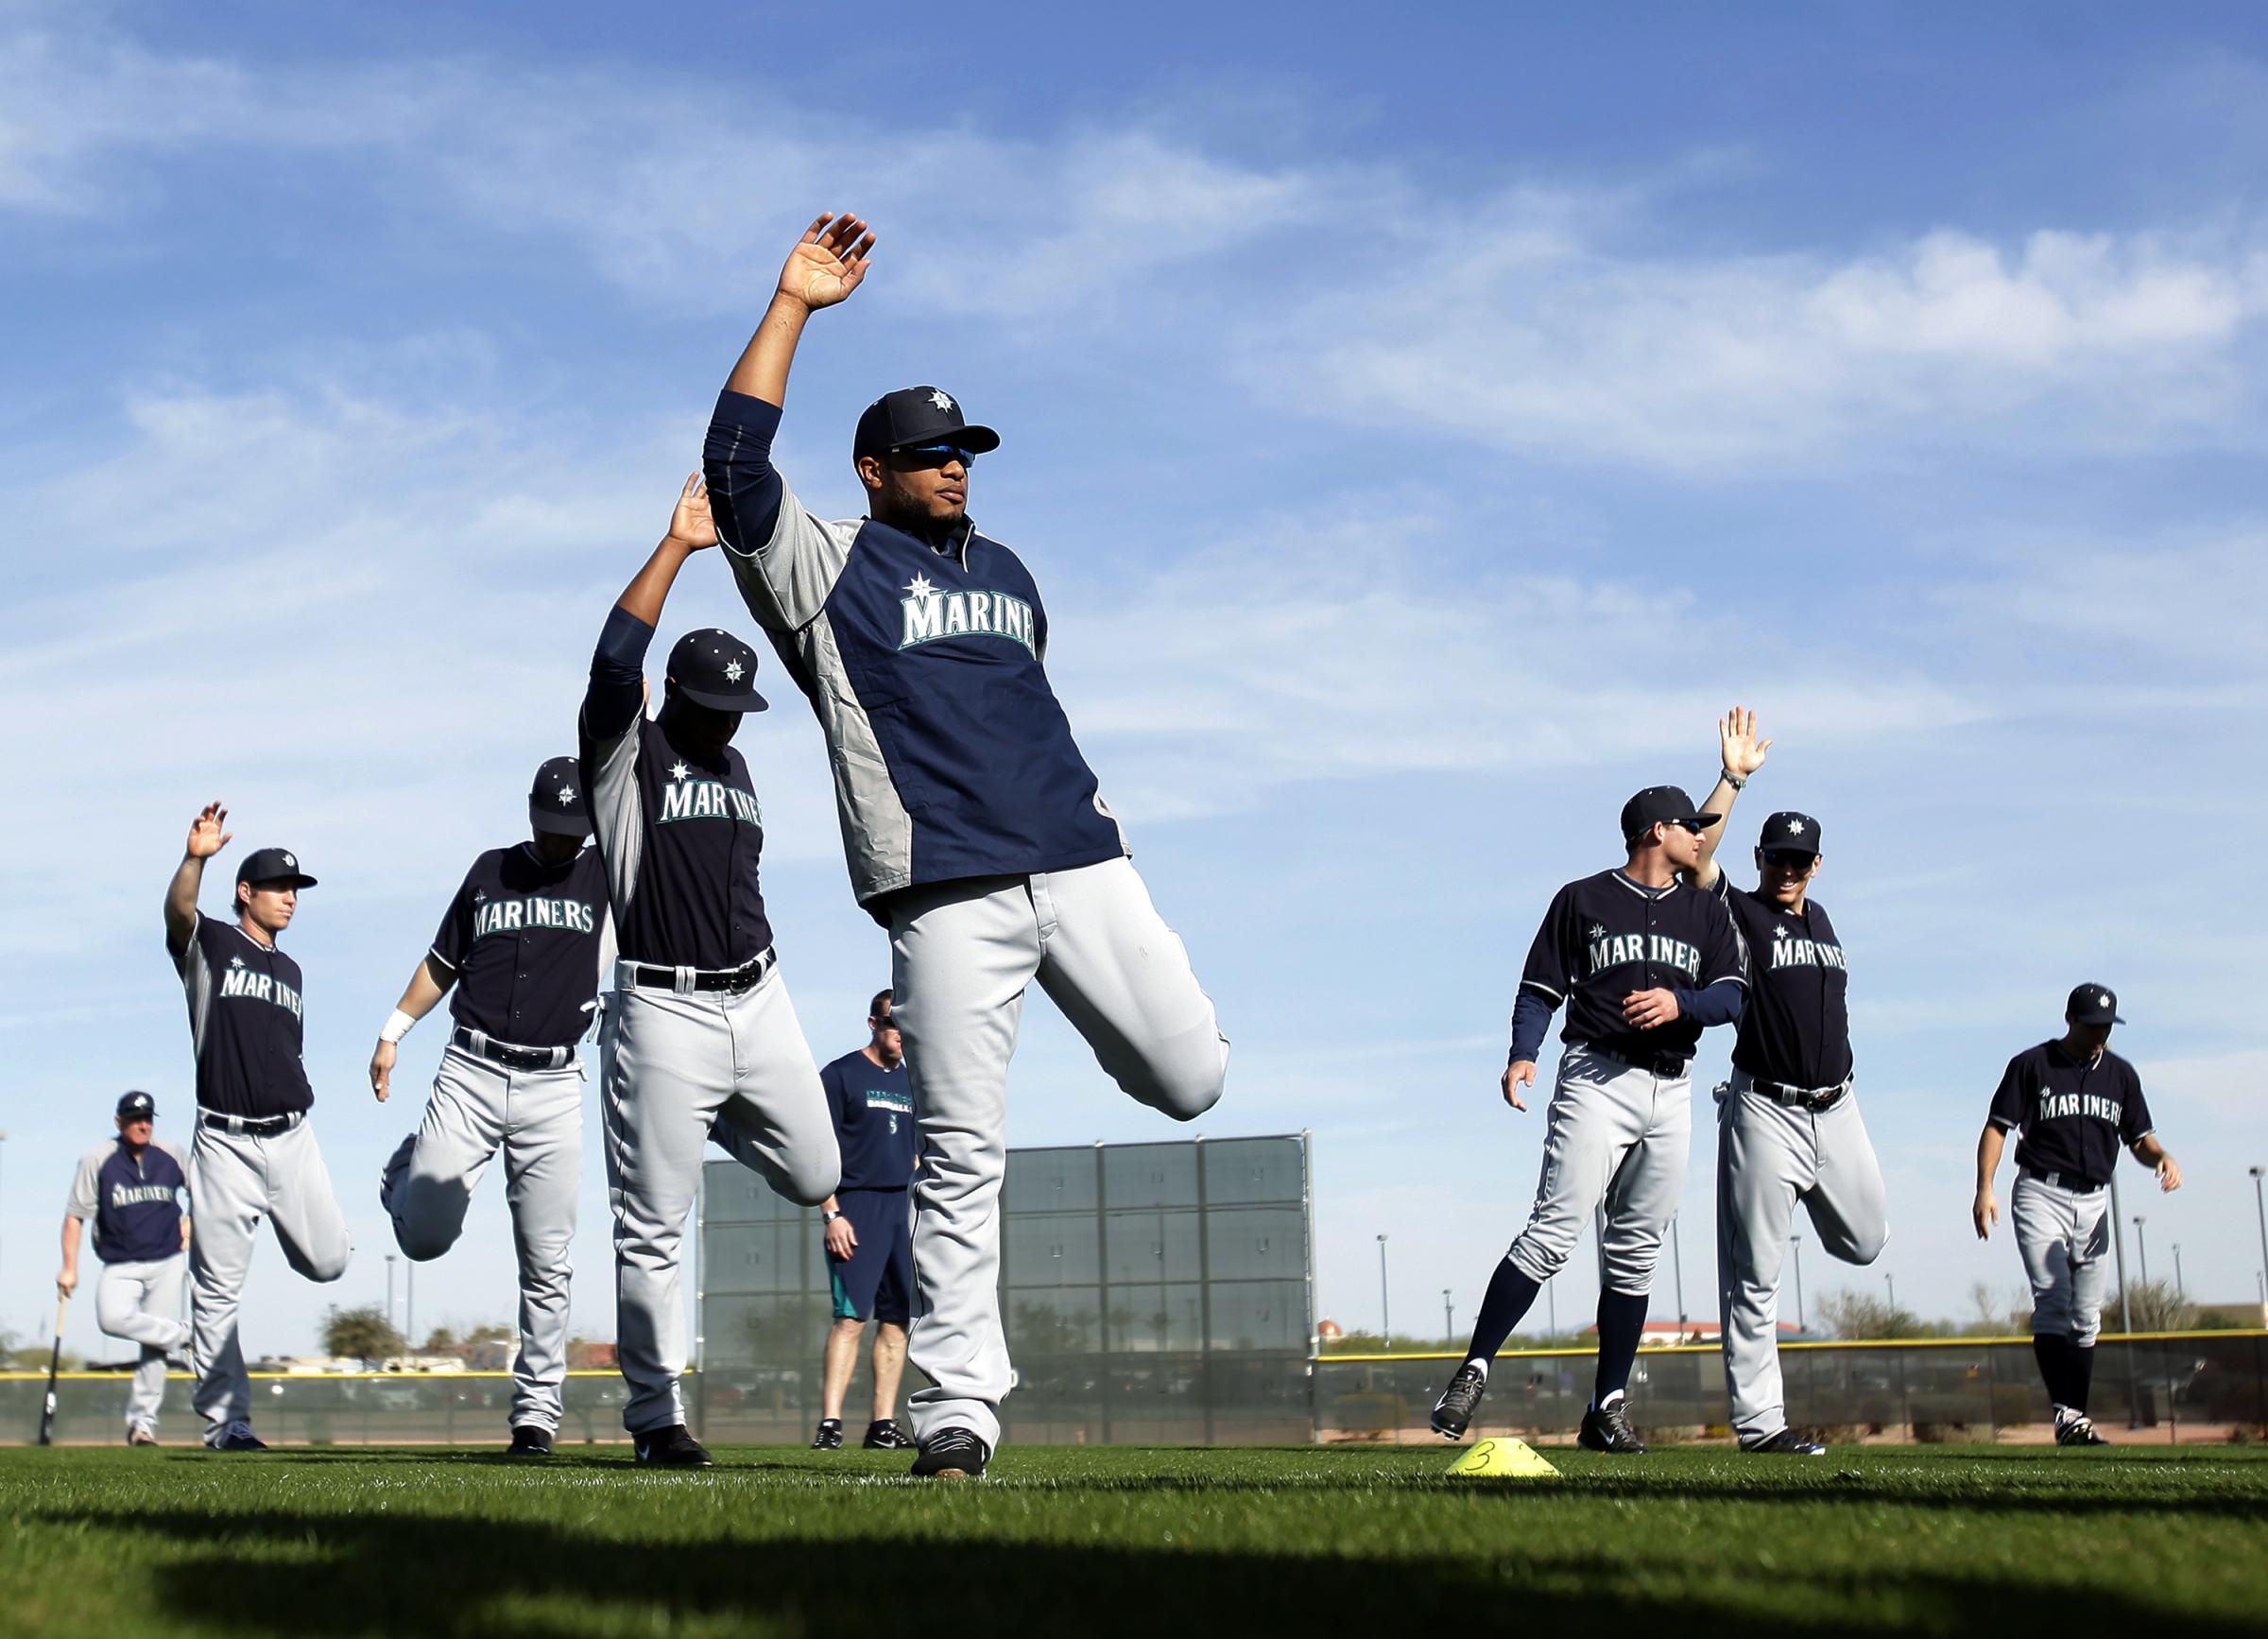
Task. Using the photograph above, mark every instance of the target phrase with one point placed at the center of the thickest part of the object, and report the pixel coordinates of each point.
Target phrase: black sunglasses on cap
(917, 456)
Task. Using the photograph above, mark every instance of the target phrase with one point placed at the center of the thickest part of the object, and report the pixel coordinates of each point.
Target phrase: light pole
(1677, 1270)
(409, 1304)
(389, 1291)
(2142, 1247)
(2181, 1287)
(1551, 1307)
(1890, 1281)
(1448, 1324)
(1801, 1324)
(2258, 1172)
(1385, 1317)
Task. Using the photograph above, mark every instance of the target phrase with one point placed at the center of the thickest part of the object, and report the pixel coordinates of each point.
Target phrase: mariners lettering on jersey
(241, 981)
(894, 1105)
(685, 798)
(142, 1194)
(1621, 950)
(516, 915)
(932, 613)
(1788, 951)
(2054, 1106)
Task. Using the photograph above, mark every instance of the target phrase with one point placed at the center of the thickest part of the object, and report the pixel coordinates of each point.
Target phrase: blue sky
(1421, 434)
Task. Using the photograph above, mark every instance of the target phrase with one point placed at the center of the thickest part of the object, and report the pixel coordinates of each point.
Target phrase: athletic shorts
(876, 1283)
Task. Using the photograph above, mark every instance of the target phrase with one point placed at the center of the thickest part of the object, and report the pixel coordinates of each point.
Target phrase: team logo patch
(932, 613)
(937, 398)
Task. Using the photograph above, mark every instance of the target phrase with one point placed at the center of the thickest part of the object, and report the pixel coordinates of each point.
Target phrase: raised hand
(690, 526)
(1742, 751)
(206, 838)
(828, 262)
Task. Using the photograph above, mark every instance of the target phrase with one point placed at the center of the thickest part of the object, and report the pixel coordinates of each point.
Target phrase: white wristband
(397, 1026)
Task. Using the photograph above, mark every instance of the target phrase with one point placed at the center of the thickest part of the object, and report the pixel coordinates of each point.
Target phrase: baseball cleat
(830, 1436)
(140, 1436)
(2079, 1430)
(1787, 1442)
(237, 1437)
(885, 1434)
(1452, 1412)
(529, 1441)
(952, 1453)
(672, 1447)
(1610, 1431)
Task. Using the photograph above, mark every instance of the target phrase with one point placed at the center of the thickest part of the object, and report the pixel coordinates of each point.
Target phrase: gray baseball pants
(141, 1304)
(2064, 1236)
(1770, 1156)
(535, 1117)
(674, 1065)
(962, 956)
(1616, 1133)
(238, 1180)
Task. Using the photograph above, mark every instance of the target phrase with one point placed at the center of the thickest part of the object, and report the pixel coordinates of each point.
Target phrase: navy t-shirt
(1795, 1028)
(135, 1201)
(1605, 937)
(2075, 1117)
(523, 939)
(873, 1112)
(243, 1021)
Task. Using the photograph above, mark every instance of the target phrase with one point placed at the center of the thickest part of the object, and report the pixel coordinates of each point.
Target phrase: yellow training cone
(1509, 1458)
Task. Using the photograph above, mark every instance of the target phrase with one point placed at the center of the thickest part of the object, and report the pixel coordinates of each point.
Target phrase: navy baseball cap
(917, 415)
(2093, 1005)
(138, 1107)
(1657, 804)
(714, 669)
(555, 802)
(1788, 832)
(269, 865)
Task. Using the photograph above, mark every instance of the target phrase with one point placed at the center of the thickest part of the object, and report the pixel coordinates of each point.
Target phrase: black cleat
(830, 1436)
(238, 1436)
(885, 1434)
(1787, 1442)
(1452, 1412)
(672, 1447)
(2080, 1430)
(952, 1453)
(529, 1441)
(1610, 1431)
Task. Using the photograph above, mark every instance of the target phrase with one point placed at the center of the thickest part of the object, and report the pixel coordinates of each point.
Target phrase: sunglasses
(1787, 859)
(923, 456)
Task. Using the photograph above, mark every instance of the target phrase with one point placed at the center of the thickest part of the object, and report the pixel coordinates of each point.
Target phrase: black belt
(646, 975)
(511, 1057)
(1671, 1065)
(1802, 1098)
(251, 1125)
(2070, 1181)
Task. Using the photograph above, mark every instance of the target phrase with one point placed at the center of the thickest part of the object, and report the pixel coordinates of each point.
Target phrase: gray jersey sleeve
(785, 579)
(180, 1160)
(86, 1186)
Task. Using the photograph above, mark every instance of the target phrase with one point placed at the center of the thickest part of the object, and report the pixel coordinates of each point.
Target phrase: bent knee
(1862, 1250)
(1187, 1082)
(422, 1244)
(322, 1271)
(811, 1182)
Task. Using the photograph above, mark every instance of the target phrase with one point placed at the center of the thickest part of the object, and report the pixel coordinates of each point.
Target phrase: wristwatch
(1737, 782)
(828, 1216)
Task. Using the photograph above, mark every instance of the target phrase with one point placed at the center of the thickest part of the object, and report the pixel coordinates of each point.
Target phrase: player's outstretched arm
(2151, 1153)
(1740, 754)
(67, 1281)
(428, 986)
(1985, 1211)
(206, 839)
(824, 268)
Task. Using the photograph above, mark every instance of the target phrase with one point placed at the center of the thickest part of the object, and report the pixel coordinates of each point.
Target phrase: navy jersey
(523, 939)
(952, 757)
(1605, 936)
(2075, 1116)
(243, 1021)
(873, 1112)
(135, 1201)
(1795, 1028)
(681, 837)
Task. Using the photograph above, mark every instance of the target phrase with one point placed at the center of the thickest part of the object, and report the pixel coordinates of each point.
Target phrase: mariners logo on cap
(1795, 827)
(938, 397)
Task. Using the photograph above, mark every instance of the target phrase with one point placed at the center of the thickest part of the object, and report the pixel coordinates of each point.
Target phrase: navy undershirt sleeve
(1531, 1018)
(1717, 1004)
(617, 689)
(744, 488)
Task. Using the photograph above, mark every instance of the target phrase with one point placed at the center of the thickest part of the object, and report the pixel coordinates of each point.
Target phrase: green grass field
(1132, 1541)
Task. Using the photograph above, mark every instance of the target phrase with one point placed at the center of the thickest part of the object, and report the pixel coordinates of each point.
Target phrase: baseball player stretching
(868, 1229)
(702, 1034)
(973, 827)
(2077, 1104)
(132, 1189)
(522, 944)
(1644, 962)
(254, 1155)
(1788, 1123)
